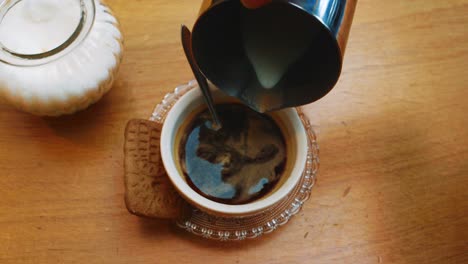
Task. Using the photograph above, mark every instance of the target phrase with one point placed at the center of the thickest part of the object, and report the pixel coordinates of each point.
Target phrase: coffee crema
(238, 164)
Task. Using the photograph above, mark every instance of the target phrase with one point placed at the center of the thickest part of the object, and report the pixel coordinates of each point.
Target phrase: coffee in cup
(247, 167)
(237, 164)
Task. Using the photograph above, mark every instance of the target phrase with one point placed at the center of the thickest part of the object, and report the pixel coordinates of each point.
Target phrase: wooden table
(393, 184)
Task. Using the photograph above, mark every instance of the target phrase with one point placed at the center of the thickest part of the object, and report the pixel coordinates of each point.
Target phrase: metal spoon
(202, 82)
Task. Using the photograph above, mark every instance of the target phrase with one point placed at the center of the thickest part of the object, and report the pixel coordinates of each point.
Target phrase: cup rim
(167, 153)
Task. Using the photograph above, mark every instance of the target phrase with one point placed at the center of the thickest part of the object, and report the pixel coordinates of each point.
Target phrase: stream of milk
(273, 44)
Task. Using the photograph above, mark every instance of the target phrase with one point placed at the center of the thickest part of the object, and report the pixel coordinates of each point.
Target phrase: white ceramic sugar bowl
(57, 56)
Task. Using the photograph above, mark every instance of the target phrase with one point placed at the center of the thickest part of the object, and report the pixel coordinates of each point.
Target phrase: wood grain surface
(393, 184)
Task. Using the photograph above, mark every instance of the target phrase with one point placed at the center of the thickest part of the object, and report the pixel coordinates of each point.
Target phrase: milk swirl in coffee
(238, 164)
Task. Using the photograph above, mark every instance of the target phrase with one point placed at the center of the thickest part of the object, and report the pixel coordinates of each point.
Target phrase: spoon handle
(202, 82)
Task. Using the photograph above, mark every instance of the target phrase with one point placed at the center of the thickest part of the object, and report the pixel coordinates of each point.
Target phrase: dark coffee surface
(238, 164)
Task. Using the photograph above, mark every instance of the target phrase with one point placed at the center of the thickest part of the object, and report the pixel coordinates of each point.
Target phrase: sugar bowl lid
(57, 56)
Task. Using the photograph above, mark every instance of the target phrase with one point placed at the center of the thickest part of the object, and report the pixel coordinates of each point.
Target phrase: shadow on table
(94, 121)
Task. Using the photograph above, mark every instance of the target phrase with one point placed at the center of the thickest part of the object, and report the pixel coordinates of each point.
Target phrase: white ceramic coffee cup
(192, 101)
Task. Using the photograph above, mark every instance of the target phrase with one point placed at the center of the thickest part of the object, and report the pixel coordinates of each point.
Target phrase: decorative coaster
(224, 229)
